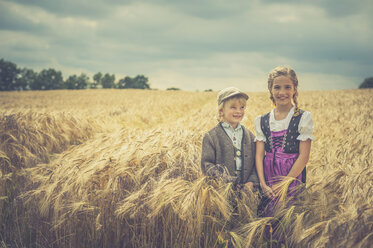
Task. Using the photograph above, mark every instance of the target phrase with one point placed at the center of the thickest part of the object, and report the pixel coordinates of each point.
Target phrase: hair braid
(295, 99)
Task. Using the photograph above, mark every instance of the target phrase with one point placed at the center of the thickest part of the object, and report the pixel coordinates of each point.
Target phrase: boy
(228, 149)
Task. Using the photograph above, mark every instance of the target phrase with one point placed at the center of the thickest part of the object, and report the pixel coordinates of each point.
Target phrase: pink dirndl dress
(281, 151)
(277, 164)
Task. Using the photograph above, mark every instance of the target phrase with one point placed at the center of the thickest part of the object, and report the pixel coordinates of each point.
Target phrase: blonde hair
(283, 71)
(242, 100)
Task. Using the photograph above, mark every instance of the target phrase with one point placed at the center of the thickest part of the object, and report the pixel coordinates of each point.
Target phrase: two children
(283, 139)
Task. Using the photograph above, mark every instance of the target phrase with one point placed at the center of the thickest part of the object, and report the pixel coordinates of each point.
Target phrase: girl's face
(283, 91)
(233, 112)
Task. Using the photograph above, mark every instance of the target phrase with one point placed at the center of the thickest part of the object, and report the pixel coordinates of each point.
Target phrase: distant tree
(96, 80)
(173, 88)
(26, 77)
(208, 90)
(70, 82)
(77, 83)
(48, 79)
(367, 83)
(8, 75)
(129, 83)
(83, 80)
(121, 83)
(108, 81)
(139, 82)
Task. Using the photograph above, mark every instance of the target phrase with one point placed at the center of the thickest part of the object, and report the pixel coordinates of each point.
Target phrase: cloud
(82, 8)
(195, 44)
(12, 18)
(333, 8)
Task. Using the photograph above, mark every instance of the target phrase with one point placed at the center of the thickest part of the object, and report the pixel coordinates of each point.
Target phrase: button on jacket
(217, 149)
(236, 136)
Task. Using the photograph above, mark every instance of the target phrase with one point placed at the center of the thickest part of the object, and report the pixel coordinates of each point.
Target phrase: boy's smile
(233, 112)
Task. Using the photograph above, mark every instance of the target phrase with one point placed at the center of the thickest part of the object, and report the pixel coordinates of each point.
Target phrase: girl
(283, 138)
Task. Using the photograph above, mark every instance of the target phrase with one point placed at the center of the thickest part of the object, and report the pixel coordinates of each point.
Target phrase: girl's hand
(267, 191)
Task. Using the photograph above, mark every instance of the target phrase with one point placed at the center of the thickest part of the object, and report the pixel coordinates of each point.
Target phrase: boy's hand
(228, 179)
(249, 185)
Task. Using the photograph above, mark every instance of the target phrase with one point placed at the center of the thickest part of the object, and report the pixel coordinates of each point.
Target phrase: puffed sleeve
(258, 130)
(305, 127)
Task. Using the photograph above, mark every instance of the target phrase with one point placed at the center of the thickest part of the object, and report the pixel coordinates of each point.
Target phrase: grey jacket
(218, 154)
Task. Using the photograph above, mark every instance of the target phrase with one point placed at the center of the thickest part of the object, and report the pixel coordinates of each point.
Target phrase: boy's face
(233, 112)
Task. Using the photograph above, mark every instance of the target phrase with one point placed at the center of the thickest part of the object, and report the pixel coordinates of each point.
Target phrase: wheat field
(120, 168)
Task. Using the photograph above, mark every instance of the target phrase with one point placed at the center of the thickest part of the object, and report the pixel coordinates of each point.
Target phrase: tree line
(14, 78)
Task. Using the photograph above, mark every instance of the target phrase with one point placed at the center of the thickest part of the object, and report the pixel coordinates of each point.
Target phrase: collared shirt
(236, 136)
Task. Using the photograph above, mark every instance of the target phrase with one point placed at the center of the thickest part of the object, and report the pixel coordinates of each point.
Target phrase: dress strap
(264, 125)
(290, 142)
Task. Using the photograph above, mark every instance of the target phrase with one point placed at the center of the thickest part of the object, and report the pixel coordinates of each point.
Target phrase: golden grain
(120, 168)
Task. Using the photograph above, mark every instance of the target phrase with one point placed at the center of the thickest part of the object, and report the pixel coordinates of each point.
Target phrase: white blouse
(305, 127)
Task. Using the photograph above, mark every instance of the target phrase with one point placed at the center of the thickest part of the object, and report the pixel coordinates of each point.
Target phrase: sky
(194, 45)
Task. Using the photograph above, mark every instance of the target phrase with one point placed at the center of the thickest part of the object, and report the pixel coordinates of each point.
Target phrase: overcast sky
(194, 45)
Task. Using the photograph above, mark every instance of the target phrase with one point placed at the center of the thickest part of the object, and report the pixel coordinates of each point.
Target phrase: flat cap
(226, 93)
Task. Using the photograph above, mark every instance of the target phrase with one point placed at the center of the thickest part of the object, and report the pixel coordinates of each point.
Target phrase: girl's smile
(283, 91)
